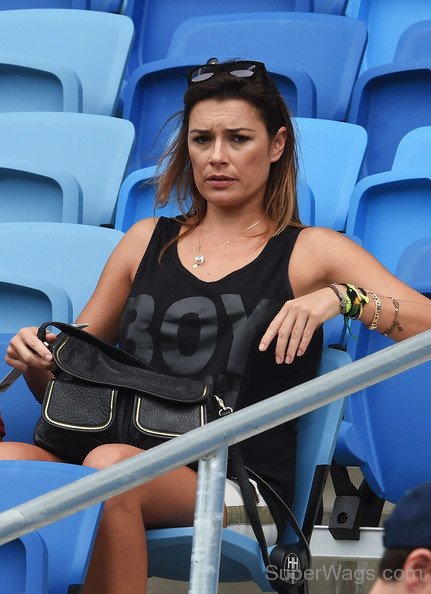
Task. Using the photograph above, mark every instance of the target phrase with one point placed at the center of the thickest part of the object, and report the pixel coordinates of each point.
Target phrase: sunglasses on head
(241, 69)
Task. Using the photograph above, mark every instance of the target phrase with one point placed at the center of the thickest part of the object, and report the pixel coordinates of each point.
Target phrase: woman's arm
(321, 257)
(102, 312)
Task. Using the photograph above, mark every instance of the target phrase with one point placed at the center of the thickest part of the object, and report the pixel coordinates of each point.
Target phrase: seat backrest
(69, 541)
(70, 256)
(24, 565)
(38, 192)
(330, 174)
(94, 45)
(93, 149)
(414, 43)
(390, 424)
(328, 48)
(413, 151)
(378, 104)
(386, 20)
(414, 265)
(374, 211)
(155, 21)
(240, 555)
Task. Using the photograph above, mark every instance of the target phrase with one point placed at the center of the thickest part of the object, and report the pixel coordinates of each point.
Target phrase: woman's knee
(108, 454)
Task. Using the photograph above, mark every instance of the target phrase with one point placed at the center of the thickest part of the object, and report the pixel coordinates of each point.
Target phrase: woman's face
(231, 152)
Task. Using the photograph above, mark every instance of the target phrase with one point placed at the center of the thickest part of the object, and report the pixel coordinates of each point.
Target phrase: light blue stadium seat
(37, 192)
(330, 156)
(381, 94)
(63, 52)
(328, 48)
(241, 557)
(330, 6)
(70, 256)
(414, 265)
(18, 407)
(91, 151)
(376, 213)
(24, 565)
(413, 151)
(155, 21)
(25, 4)
(68, 541)
(167, 79)
(386, 21)
(388, 426)
(136, 200)
(26, 300)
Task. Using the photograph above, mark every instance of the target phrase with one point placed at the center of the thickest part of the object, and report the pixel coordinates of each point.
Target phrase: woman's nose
(218, 152)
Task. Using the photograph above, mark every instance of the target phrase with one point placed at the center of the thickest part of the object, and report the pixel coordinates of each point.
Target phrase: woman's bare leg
(11, 450)
(119, 560)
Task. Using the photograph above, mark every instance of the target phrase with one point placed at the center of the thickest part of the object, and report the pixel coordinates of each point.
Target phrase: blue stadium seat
(376, 213)
(37, 192)
(26, 300)
(155, 21)
(379, 100)
(415, 43)
(241, 557)
(18, 407)
(93, 149)
(330, 6)
(388, 426)
(167, 79)
(414, 265)
(69, 541)
(24, 565)
(328, 48)
(413, 151)
(85, 50)
(330, 155)
(20, 4)
(386, 21)
(69, 255)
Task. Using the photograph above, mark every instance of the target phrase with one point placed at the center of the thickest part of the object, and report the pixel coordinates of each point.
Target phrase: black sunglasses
(241, 69)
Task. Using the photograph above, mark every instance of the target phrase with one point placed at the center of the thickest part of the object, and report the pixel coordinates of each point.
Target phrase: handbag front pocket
(166, 419)
(79, 406)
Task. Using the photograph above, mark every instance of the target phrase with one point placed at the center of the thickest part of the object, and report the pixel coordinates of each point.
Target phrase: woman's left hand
(296, 322)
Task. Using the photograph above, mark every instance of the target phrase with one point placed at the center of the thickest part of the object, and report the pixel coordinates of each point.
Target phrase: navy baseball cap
(409, 525)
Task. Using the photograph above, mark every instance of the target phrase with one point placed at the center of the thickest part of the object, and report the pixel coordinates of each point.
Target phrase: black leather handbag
(102, 394)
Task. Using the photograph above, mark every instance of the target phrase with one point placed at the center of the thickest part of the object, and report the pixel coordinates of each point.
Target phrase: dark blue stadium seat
(155, 21)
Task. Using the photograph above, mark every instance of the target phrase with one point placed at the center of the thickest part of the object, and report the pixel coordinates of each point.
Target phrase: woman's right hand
(26, 351)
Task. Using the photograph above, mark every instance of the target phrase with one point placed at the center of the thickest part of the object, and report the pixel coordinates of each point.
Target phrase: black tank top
(183, 326)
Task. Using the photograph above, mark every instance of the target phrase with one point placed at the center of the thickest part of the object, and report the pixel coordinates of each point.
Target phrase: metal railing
(209, 444)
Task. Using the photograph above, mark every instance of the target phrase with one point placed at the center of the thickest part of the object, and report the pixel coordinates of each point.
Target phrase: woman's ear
(278, 143)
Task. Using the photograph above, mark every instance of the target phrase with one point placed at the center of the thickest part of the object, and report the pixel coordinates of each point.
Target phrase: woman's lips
(220, 181)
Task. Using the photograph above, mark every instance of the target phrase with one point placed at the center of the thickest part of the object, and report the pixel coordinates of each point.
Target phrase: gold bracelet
(395, 324)
(377, 310)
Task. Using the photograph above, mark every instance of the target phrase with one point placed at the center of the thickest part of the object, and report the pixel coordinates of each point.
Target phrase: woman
(236, 292)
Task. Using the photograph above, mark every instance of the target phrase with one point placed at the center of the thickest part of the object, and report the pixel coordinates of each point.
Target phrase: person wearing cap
(406, 564)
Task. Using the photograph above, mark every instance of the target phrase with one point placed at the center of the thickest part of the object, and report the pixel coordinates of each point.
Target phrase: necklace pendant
(198, 261)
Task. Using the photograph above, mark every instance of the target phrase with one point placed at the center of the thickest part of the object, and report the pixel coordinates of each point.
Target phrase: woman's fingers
(26, 350)
(296, 322)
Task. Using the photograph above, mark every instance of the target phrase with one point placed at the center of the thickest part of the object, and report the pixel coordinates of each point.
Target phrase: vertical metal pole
(208, 523)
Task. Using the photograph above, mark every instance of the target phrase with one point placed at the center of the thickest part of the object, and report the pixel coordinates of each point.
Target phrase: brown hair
(392, 563)
(175, 171)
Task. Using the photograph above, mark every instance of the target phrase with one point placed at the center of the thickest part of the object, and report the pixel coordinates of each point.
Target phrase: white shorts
(237, 519)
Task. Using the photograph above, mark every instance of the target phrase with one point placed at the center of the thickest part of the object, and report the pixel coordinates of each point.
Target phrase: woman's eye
(240, 138)
(201, 139)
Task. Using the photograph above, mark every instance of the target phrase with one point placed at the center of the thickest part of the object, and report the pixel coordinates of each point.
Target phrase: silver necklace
(200, 258)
